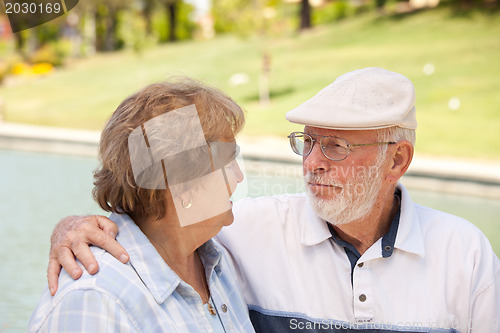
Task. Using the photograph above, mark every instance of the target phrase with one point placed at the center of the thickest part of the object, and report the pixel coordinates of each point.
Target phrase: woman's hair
(115, 187)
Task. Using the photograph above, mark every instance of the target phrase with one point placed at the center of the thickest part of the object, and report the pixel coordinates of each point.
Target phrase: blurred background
(270, 56)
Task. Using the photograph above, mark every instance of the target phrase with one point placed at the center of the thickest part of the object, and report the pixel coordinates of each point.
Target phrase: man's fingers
(104, 239)
(67, 260)
(108, 226)
(119, 252)
(86, 257)
(53, 275)
(108, 243)
(71, 238)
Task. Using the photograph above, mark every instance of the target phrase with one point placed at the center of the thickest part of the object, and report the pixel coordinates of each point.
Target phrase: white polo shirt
(442, 276)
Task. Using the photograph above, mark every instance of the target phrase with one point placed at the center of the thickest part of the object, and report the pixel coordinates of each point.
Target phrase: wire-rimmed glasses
(334, 148)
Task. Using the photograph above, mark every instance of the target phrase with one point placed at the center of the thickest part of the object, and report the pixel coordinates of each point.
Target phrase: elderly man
(354, 252)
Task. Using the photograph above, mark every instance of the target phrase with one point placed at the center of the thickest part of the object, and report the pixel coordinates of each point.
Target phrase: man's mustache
(321, 180)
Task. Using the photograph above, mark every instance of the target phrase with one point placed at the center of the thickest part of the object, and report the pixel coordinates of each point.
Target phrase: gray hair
(393, 134)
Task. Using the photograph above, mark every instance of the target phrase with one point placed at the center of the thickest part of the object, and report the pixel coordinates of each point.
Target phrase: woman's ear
(186, 200)
(402, 154)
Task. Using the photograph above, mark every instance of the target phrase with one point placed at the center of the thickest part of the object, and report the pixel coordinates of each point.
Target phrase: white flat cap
(368, 98)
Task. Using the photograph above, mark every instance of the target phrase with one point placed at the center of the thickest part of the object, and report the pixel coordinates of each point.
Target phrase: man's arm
(485, 314)
(72, 237)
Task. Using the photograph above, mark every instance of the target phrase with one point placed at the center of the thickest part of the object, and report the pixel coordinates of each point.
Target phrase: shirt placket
(196, 307)
(362, 293)
(221, 303)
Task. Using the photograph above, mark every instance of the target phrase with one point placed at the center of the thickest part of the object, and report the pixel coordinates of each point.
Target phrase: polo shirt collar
(409, 237)
(386, 245)
(314, 229)
(157, 276)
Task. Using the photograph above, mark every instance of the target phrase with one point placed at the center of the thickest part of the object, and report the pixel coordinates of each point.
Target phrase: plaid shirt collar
(157, 276)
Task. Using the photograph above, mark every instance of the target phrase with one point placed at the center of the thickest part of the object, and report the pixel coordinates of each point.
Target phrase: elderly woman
(167, 174)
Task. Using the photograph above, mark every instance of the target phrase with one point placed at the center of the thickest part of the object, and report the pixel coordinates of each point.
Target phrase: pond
(37, 190)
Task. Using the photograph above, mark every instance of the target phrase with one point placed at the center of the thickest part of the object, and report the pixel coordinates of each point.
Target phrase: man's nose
(316, 160)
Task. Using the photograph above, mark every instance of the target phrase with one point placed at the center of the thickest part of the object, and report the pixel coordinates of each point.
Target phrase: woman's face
(220, 201)
(208, 200)
(234, 176)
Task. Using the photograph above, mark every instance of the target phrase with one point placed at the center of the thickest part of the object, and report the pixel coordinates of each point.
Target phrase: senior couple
(353, 253)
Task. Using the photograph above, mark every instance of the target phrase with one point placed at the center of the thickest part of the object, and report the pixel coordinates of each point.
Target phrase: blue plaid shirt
(145, 295)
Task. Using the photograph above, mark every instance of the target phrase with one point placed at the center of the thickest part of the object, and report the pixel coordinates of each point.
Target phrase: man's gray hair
(394, 134)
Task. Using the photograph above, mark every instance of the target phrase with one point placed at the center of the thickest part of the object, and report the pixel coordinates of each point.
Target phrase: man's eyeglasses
(335, 149)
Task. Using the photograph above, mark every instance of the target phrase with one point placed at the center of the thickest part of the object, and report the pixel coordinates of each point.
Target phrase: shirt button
(224, 308)
(362, 297)
(360, 264)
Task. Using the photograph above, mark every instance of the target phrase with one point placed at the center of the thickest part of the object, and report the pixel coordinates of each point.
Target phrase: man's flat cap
(369, 98)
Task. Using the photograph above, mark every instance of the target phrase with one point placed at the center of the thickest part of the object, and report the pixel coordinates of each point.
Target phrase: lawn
(464, 50)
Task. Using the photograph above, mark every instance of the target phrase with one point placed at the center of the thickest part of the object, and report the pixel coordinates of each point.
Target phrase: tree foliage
(108, 25)
(251, 17)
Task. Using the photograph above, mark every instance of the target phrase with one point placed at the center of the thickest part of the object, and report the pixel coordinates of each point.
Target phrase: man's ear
(401, 156)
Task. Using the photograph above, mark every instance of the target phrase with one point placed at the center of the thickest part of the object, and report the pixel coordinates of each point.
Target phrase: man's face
(343, 191)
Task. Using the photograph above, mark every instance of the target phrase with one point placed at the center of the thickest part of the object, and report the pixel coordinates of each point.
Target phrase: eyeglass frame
(336, 137)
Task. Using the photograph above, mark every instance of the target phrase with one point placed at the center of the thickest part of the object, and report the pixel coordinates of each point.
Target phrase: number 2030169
(32, 8)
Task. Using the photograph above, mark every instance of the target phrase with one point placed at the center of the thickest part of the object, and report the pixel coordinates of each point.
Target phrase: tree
(148, 7)
(260, 18)
(107, 12)
(171, 7)
(305, 15)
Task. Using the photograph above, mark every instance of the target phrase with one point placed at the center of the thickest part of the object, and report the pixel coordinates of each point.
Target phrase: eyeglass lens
(333, 148)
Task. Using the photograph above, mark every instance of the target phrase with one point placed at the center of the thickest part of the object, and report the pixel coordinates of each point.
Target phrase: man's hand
(72, 237)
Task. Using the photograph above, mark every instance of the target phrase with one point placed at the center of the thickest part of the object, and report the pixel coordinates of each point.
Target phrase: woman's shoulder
(86, 293)
(111, 273)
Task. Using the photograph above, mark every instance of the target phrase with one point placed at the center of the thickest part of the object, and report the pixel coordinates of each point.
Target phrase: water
(37, 190)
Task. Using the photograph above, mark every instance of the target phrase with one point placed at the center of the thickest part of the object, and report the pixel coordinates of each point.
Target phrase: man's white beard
(355, 201)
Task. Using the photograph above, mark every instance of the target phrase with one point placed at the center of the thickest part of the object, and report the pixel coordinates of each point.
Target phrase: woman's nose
(237, 172)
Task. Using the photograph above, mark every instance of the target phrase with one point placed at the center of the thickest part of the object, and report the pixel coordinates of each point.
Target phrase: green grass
(465, 50)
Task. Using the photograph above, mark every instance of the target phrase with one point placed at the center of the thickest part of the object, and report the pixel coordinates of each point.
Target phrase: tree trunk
(305, 15)
(111, 23)
(148, 15)
(380, 4)
(100, 33)
(172, 17)
(20, 42)
(264, 78)
(89, 35)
